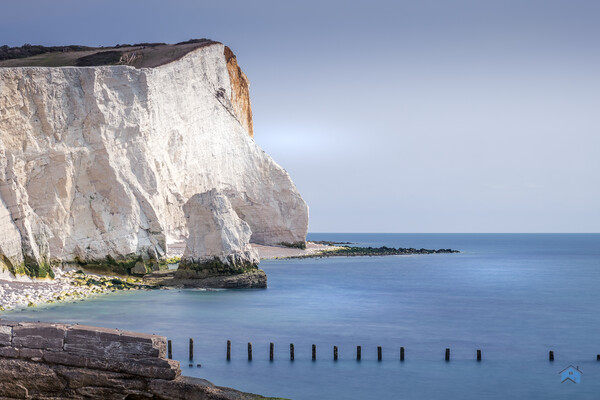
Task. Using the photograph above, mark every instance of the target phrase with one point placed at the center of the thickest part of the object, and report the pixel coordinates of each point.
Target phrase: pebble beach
(73, 286)
(66, 286)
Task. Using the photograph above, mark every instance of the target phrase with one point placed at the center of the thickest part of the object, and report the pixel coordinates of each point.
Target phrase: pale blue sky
(395, 116)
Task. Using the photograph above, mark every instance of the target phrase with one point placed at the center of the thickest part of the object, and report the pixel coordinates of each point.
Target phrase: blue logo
(570, 373)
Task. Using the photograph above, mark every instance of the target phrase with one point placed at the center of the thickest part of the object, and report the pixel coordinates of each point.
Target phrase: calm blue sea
(514, 296)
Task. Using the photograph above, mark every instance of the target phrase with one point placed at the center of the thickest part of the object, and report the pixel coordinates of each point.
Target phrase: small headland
(339, 249)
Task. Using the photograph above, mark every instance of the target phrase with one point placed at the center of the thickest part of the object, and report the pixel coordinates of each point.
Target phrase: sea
(515, 297)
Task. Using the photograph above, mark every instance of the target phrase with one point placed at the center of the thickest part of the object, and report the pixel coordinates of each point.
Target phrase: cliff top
(141, 55)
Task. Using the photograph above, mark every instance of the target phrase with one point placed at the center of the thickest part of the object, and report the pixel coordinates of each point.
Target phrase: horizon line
(469, 233)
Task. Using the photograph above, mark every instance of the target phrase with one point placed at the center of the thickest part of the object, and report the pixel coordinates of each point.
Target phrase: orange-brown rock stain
(240, 91)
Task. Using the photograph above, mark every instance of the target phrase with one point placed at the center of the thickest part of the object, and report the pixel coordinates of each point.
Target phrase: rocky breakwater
(97, 162)
(50, 361)
(218, 252)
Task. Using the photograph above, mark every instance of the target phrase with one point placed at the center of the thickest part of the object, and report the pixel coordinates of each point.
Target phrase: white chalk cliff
(99, 161)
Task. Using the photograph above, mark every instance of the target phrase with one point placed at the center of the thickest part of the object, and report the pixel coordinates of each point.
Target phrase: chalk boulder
(218, 244)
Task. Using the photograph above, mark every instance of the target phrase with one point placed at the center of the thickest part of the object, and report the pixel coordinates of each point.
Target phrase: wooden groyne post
(170, 349)
(249, 351)
(314, 352)
(447, 354)
(478, 355)
(191, 349)
(551, 356)
(358, 353)
(229, 350)
(401, 353)
(379, 355)
(271, 351)
(335, 353)
(291, 351)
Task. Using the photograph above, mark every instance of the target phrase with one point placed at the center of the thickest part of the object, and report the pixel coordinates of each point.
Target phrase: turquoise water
(515, 296)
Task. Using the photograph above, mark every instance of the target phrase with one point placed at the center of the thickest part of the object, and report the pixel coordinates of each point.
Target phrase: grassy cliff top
(142, 55)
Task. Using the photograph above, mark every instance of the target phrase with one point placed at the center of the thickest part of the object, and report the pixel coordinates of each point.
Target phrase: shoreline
(74, 285)
(274, 252)
(66, 286)
(337, 249)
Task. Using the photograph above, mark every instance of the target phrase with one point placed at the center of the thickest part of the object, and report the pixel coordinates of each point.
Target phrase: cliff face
(98, 162)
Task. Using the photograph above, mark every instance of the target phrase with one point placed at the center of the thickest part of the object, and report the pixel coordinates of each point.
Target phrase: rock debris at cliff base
(65, 287)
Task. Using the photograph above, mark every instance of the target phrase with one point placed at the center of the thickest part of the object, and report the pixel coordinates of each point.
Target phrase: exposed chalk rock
(218, 243)
(97, 163)
(216, 231)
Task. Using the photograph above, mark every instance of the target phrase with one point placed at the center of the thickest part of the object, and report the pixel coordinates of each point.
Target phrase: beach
(67, 286)
(276, 252)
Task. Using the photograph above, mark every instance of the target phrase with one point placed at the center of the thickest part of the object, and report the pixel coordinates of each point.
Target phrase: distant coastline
(325, 248)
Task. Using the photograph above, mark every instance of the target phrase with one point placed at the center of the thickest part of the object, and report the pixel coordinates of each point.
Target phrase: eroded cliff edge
(96, 163)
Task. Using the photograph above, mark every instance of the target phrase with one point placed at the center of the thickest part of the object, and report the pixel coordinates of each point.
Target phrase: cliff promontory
(97, 162)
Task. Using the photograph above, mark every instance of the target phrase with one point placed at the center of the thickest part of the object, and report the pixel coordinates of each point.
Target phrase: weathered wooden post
(447, 354)
(249, 351)
(551, 356)
(191, 349)
(478, 355)
(335, 353)
(379, 355)
(597, 357)
(401, 353)
(291, 351)
(228, 350)
(358, 353)
(271, 348)
(170, 349)
(314, 352)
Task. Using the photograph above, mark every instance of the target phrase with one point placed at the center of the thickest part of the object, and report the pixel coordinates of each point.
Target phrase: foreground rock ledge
(47, 361)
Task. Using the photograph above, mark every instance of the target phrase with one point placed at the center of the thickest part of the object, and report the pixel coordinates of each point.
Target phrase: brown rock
(102, 342)
(81, 377)
(39, 335)
(96, 363)
(150, 367)
(5, 335)
(240, 92)
(35, 354)
(256, 279)
(35, 377)
(9, 352)
(194, 389)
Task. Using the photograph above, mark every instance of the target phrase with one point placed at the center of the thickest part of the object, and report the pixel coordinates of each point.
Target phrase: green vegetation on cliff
(140, 55)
